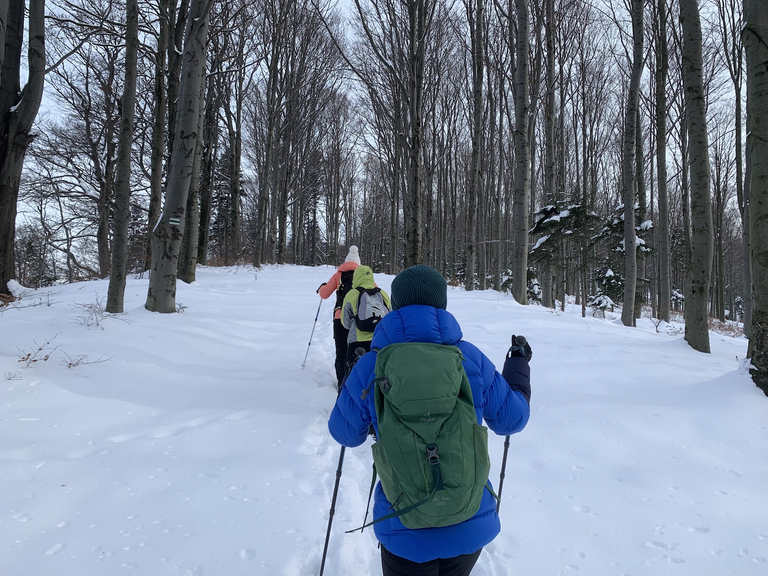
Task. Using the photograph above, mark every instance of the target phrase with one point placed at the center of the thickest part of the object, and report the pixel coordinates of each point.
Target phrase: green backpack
(431, 454)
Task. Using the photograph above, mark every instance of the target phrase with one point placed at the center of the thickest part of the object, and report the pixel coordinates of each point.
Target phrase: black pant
(340, 338)
(462, 565)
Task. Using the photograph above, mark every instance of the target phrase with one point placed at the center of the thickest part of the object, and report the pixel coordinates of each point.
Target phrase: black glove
(520, 347)
(517, 374)
(318, 288)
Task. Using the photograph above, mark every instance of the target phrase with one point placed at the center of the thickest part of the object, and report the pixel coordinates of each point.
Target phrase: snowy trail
(200, 446)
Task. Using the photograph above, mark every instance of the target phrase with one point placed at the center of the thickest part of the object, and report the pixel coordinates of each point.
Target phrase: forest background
(592, 148)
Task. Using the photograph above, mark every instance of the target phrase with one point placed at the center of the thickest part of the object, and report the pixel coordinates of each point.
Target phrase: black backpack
(345, 285)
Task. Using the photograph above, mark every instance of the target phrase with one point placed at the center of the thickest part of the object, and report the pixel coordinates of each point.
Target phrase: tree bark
(18, 110)
(522, 190)
(628, 176)
(419, 16)
(730, 14)
(642, 213)
(662, 67)
(122, 204)
(700, 264)
(266, 177)
(207, 165)
(189, 242)
(158, 128)
(475, 172)
(166, 238)
(755, 37)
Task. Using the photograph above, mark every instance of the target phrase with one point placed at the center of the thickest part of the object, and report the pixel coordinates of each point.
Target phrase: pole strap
(437, 484)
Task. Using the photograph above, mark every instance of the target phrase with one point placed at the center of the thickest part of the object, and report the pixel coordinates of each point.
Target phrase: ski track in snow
(201, 447)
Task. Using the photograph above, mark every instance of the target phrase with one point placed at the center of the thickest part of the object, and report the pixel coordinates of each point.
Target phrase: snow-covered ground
(194, 444)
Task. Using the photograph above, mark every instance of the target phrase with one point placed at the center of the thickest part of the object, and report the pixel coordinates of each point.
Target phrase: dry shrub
(6, 299)
(727, 328)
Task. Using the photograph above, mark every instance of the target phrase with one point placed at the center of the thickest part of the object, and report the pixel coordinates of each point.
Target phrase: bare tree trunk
(755, 37)
(548, 267)
(18, 109)
(234, 120)
(266, 178)
(420, 16)
(746, 224)
(158, 129)
(642, 202)
(394, 215)
(628, 176)
(700, 265)
(500, 235)
(522, 191)
(662, 67)
(730, 14)
(178, 12)
(474, 189)
(166, 238)
(207, 165)
(122, 204)
(189, 242)
(746, 219)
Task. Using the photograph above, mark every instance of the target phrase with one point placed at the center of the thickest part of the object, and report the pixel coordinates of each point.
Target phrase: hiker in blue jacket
(419, 299)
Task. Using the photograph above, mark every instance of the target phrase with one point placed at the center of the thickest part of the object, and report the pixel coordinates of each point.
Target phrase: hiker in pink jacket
(341, 283)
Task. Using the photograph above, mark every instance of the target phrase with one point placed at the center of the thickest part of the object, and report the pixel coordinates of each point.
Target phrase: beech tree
(628, 165)
(700, 263)
(522, 194)
(730, 19)
(475, 19)
(662, 71)
(116, 290)
(167, 234)
(18, 110)
(755, 38)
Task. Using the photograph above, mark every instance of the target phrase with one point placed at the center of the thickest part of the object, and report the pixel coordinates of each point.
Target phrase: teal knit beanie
(419, 285)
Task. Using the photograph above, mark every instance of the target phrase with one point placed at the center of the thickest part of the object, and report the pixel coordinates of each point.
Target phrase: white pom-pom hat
(353, 256)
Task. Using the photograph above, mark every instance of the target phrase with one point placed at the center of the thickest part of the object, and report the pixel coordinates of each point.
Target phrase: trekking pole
(303, 364)
(333, 509)
(503, 467)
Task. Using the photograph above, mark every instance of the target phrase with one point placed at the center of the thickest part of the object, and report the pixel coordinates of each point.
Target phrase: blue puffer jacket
(505, 411)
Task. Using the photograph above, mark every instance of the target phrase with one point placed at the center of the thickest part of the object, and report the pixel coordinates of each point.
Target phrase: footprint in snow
(661, 546)
(179, 428)
(55, 549)
(242, 415)
(120, 438)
